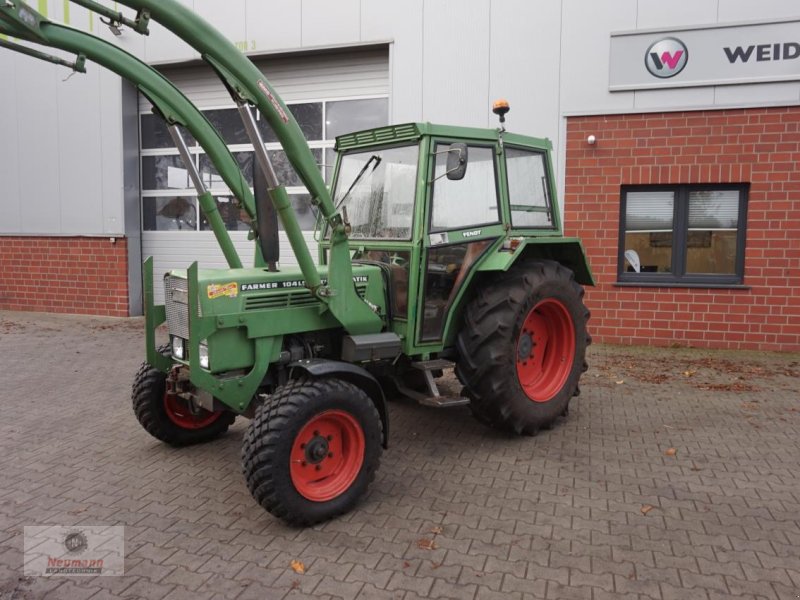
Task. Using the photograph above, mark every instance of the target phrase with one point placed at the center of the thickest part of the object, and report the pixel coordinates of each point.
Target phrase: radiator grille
(176, 301)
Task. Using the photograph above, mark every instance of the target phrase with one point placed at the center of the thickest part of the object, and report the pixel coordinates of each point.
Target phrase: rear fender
(358, 376)
(567, 251)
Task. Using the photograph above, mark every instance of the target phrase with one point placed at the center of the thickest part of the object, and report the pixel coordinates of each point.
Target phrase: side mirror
(456, 161)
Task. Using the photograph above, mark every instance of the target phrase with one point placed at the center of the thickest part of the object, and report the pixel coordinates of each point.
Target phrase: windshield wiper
(377, 159)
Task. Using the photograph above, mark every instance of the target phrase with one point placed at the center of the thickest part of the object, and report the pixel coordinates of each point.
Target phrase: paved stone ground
(561, 515)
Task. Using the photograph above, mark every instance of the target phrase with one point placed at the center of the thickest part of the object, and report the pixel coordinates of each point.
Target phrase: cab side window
(469, 201)
(527, 189)
(447, 268)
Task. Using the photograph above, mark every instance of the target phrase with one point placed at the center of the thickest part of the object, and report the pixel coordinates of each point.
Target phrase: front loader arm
(248, 85)
(167, 99)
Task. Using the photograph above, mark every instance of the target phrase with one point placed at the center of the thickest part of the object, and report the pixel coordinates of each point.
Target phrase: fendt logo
(666, 58)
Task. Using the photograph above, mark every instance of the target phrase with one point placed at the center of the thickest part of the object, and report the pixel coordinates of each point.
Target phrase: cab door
(463, 220)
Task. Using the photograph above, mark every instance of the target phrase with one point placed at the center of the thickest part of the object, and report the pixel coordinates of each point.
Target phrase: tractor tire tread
(484, 350)
(267, 431)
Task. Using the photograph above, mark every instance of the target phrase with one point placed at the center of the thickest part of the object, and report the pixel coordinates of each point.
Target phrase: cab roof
(410, 131)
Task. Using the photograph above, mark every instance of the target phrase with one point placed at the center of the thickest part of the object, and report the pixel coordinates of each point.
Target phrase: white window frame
(196, 150)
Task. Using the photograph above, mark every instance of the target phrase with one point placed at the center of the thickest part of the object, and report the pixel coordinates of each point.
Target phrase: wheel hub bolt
(525, 347)
(316, 450)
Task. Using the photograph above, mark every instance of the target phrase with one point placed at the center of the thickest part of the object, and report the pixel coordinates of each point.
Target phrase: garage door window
(169, 202)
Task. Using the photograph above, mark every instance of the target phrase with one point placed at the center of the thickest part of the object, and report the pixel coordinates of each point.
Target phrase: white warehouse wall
(61, 151)
(61, 147)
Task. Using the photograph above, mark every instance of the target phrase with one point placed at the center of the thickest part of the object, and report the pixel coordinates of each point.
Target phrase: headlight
(204, 362)
(177, 347)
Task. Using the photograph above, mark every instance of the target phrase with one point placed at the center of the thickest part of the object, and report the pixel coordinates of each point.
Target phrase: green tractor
(439, 247)
(456, 247)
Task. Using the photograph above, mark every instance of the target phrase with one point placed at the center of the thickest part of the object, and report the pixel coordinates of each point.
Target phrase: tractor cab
(444, 198)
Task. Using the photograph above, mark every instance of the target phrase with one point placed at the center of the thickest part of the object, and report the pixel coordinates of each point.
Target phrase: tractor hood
(227, 291)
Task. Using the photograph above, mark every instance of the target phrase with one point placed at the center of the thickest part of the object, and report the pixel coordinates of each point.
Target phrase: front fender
(358, 376)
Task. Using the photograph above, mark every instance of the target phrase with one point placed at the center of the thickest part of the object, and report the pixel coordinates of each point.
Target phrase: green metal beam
(23, 20)
(247, 84)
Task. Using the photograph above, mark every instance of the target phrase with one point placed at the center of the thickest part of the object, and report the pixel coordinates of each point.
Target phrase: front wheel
(522, 347)
(170, 418)
(312, 450)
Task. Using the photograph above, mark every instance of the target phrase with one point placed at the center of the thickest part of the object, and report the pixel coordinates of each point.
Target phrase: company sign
(701, 56)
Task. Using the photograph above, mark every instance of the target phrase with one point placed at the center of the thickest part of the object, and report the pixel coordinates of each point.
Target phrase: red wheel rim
(545, 350)
(178, 411)
(327, 455)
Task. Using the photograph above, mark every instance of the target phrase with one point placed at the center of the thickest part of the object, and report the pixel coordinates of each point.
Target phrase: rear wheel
(170, 418)
(312, 450)
(523, 345)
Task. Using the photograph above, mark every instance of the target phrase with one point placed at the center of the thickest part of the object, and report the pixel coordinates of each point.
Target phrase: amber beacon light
(501, 107)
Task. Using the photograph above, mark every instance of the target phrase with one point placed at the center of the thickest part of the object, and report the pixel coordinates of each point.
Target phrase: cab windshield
(376, 190)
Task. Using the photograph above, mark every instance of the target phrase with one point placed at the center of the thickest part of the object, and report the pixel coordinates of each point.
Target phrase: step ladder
(433, 397)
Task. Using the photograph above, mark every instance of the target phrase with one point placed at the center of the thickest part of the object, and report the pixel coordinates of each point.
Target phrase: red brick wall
(76, 275)
(756, 146)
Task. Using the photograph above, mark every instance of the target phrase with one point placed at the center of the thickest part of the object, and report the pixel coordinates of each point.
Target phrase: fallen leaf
(295, 584)
(436, 530)
(670, 452)
(646, 509)
(406, 564)
(298, 567)
(689, 372)
(426, 544)
(620, 382)
(435, 565)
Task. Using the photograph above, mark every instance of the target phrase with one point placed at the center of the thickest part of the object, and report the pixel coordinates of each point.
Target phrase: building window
(682, 234)
(169, 202)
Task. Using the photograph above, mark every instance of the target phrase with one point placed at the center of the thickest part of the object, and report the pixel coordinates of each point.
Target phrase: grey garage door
(328, 93)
